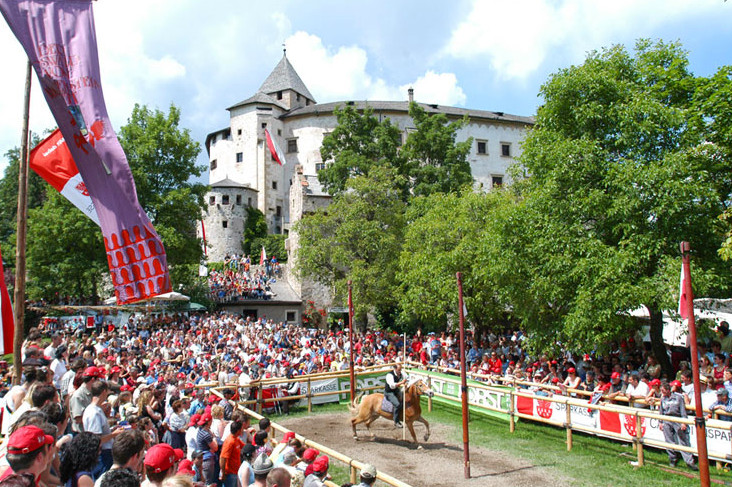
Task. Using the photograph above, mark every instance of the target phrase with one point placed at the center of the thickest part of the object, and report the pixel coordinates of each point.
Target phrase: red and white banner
(277, 154)
(262, 256)
(51, 160)
(683, 311)
(7, 319)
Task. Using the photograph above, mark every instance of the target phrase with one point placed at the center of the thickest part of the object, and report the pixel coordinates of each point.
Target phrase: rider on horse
(393, 392)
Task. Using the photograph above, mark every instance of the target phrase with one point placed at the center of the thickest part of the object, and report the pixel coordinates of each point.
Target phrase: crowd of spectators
(146, 383)
(239, 280)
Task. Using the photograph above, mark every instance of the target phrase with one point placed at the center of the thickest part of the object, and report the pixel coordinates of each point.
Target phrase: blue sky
(489, 55)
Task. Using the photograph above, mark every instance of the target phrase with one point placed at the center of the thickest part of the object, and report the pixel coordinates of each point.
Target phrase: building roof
(284, 77)
(229, 183)
(312, 186)
(403, 106)
(261, 98)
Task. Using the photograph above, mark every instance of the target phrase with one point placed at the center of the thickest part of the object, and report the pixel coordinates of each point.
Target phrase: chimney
(410, 93)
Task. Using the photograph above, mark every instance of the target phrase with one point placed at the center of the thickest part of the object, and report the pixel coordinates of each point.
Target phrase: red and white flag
(51, 160)
(263, 257)
(277, 154)
(683, 312)
(7, 320)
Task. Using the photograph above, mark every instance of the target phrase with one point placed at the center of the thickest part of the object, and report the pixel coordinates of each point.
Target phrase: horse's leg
(410, 426)
(427, 425)
(354, 421)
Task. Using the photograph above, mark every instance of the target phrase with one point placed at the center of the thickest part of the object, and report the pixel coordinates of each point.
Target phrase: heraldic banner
(60, 41)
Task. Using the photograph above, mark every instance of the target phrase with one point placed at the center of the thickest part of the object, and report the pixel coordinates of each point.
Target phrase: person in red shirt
(230, 458)
(495, 366)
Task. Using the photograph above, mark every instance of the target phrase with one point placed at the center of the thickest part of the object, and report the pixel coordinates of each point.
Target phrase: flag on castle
(262, 256)
(276, 152)
(60, 41)
(7, 327)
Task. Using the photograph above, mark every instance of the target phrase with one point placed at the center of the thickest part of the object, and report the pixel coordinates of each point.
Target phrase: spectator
(207, 444)
(319, 472)
(672, 404)
(722, 405)
(261, 467)
(192, 435)
(127, 453)
(78, 458)
(119, 477)
(29, 453)
(95, 420)
(160, 463)
(230, 457)
(636, 392)
(81, 398)
(368, 476)
(245, 473)
(278, 477)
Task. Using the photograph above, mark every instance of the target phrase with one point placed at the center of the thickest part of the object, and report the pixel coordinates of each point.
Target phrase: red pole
(463, 378)
(701, 432)
(352, 377)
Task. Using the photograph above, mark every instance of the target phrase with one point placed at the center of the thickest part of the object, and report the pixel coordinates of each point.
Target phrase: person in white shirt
(95, 420)
(636, 391)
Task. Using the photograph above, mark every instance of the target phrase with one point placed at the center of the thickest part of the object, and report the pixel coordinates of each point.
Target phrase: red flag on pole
(683, 312)
(277, 154)
(7, 322)
(263, 257)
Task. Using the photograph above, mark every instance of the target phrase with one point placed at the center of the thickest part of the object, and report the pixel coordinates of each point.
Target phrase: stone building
(242, 170)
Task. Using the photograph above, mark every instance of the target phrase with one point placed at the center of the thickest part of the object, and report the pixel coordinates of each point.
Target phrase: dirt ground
(438, 464)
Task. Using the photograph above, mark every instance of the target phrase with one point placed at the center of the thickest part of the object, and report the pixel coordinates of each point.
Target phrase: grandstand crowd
(130, 404)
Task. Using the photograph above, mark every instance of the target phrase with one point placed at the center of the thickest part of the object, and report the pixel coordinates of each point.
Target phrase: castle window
(505, 149)
(298, 97)
(225, 224)
(319, 166)
(291, 145)
(307, 102)
(279, 132)
(497, 181)
(264, 125)
(238, 199)
(225, 199)
(212, 200)
(291, 316)
(274, 184)
(482, 147)
(249, 202)
(238, 132)
(279, 211)
(213, 164)
(279, 95)
(239, 156)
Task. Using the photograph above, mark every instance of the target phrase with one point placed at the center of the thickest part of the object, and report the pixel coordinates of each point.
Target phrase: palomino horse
(368, 409)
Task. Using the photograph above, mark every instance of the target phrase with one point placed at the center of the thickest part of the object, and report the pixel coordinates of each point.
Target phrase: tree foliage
(255, 229)
(617, 171)
(358, 237)
(162, 157)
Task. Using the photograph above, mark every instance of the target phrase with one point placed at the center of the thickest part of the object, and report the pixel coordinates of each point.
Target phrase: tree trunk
(657, 346)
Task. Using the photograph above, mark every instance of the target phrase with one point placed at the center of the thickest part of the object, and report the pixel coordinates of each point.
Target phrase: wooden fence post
(310, 398)
(260, 398)
(568, 409)
(511, 412)
(639, 439)
(354, 477)
(429, 399)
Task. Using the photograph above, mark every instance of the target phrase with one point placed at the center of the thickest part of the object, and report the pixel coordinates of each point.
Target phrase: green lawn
(592, 462)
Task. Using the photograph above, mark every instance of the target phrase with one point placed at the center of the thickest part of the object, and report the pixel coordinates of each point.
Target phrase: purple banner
(60, 40)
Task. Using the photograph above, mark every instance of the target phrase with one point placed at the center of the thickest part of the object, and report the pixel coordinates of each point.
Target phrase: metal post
(310, 398)
(463, 379)
(701, 432)
(21, 229)
(352, 375)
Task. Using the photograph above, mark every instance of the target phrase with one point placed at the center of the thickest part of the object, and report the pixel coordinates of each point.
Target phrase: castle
(242, 172)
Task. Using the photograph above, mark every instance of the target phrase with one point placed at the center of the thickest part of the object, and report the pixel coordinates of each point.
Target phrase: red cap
(188, 386)
(675, 383)
(179, 454)
(655, 382)
(320, 465)
(615, 375)
(288, 436)
(92, 372)
(194, 420)
(126, 388)
(571, 370)
(160, 457)
(28, 439)
(205, 418)
(310, 454)
(186, 468)
(555, 380)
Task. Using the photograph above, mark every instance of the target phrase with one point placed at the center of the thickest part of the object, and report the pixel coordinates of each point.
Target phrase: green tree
(162, 157)
(65, 251)
(436, 162)
(612, 177)
(358, 237)
(274, 245)
(446, 235)
(255, 229)
(359, 143)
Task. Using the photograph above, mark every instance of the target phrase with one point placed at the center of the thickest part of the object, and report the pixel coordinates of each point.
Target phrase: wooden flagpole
(21, 229)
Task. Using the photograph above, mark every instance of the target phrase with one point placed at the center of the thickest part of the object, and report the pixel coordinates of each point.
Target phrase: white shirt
(95, 421)
(640, 390)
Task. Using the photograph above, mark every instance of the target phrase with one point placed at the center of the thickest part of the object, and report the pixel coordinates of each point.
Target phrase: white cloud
(334, 74)
(517, 37)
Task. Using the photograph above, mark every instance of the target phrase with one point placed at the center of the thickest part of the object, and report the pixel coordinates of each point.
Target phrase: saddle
(386, 406)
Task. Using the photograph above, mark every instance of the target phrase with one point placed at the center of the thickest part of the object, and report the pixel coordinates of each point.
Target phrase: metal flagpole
(21, 229)
(463, 378)
(701, 433)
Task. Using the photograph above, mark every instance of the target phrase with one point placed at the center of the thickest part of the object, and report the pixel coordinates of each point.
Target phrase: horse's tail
(355, 404)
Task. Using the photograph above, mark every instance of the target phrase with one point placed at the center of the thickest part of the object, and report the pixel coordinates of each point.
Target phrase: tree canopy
(619, 168)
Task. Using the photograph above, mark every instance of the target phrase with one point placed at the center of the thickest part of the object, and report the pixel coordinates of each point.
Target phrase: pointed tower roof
(284, 77)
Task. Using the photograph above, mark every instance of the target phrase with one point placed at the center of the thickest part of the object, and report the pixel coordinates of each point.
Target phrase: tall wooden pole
(352, 375)
(463, 378)
(701, 432)
(22, 225)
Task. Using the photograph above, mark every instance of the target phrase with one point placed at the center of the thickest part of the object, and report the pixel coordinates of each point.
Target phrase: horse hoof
(355, 437)
(426, 437)
(419, 447)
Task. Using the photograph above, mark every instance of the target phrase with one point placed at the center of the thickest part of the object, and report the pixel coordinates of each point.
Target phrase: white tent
(171, 296)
